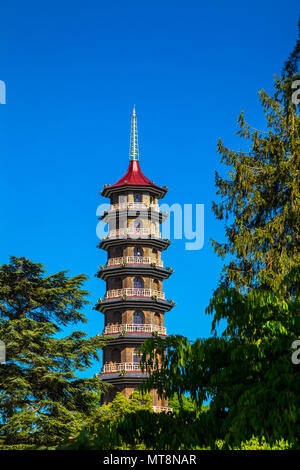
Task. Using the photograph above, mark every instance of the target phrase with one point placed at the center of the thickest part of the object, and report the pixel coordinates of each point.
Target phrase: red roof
(134, 176)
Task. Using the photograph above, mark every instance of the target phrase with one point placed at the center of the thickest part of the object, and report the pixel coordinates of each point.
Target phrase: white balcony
(133, 205)
(134, 292)
(160, 409)
(121, 366)
(134, 260)
(133, 232)
(134, 328)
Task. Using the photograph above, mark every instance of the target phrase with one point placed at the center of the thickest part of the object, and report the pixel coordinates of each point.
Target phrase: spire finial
(134, 146)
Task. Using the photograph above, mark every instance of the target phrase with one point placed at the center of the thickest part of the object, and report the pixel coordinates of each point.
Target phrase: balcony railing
(134, 260)
(133, 233)
(121, 366)
(134, 328)
(134, 205)
(159, 409)
(134, 292)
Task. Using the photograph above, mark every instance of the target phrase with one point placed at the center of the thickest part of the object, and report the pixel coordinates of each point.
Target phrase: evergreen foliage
(41, 398)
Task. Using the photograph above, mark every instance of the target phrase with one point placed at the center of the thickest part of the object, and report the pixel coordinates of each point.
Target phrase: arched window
(118, 252)
(118, 283)
(138, 318)
(137, 198)
(137, 251)
(115, 355)
(137, 224)
(137, 283)
(136, 356)
(117, 317)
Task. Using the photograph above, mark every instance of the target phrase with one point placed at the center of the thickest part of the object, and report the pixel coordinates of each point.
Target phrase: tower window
(117, 317)
(115, 355)
(137, 251)
(137, 198)
(118, 252)
(136, 356)
(138, 318)
(137, 283)
(137, 224)
(118, 283)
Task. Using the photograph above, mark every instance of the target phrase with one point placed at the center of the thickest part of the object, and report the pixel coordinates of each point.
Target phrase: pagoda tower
(134, 305)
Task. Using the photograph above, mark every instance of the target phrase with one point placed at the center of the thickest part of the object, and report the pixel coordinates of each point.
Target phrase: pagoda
(134, 304)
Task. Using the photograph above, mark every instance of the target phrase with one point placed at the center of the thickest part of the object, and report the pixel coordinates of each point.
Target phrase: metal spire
(134, 146)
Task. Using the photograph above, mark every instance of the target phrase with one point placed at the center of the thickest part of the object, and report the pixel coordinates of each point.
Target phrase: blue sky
(73, 71)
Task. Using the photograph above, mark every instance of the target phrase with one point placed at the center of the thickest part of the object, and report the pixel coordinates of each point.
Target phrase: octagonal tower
(134, 305)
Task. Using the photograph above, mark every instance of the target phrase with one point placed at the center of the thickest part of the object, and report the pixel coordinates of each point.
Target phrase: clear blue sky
(73, 71)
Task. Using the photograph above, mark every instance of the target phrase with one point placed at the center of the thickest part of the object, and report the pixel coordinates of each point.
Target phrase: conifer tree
(42, 400)
(260, 198)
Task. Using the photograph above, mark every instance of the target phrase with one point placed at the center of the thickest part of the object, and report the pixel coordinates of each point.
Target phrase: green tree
(118, 407)
(247, 373)
(101, 431)
(260, 198)
(41, 398)
(181, 402)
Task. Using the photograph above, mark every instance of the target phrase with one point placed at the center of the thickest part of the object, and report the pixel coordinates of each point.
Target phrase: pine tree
(260, 198)
(41, 398)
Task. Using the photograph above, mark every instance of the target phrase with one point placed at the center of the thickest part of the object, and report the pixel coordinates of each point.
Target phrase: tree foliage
(118, 407)
(41, 398)
(247, 372)
(101, 431)
(260, 198)
(139, 428)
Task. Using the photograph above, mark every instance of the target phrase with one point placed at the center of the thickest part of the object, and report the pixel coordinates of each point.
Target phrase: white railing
(159, 409)
(133, 328)
(133, 232)
(134, 260)
(134, 205)
(134, 292)
(120, 366)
